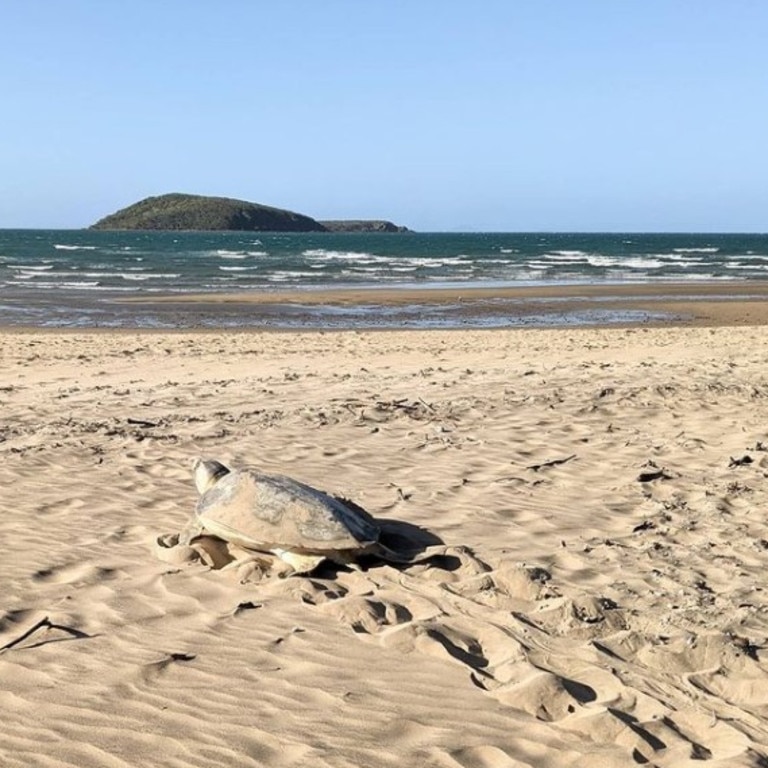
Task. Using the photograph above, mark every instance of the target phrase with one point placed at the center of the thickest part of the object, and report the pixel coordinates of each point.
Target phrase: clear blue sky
(643, 115)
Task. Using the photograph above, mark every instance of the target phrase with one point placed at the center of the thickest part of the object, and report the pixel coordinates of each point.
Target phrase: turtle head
(207, 473)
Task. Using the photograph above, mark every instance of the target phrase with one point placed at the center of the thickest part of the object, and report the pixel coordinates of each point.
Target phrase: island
(177, 211)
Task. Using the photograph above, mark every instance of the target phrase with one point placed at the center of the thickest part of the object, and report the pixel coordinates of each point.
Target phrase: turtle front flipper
(192, 530)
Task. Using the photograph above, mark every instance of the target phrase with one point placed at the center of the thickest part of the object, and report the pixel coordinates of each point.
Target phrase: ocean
(76, 278)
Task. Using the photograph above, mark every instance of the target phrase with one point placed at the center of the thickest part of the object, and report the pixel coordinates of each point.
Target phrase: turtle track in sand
(508, 625)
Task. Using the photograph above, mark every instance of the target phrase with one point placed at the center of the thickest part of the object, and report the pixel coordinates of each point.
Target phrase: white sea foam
(640, 262)
(751, 255)
(625, 262)
(36, 273)
(277, 276)
(68, 284)
(322, 253)
(681, 258)
(539, 264)
(575, 255)
(508, 250)
(149, 276)
(552, 261)
(695, 250)
(280, 275)
(60, 247)
(710, 276)
(602, 261)
(430, 262)
(225, 254)
(132, 275)
(31, 267)
(99, 274)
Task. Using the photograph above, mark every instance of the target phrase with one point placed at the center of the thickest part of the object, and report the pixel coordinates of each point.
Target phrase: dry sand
(602, 600)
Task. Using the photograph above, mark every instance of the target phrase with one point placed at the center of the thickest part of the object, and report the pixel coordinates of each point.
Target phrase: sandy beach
(599, 601)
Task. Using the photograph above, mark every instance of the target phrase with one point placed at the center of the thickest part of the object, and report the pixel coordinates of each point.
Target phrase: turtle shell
(267, 512)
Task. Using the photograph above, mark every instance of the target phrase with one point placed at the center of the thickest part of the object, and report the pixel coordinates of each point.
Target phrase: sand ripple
(601, 600)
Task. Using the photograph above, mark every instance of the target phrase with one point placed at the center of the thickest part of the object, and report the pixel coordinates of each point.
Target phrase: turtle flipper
(191, 531)
(299, 562)
(383, 552)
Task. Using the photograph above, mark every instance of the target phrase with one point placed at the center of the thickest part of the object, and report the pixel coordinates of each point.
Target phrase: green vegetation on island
(199, 212)
(177, 211)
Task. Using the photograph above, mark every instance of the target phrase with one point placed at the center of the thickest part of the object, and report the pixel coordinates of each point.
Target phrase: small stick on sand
(551, 463)
(142, 423)
(658, 474)
(44, 622)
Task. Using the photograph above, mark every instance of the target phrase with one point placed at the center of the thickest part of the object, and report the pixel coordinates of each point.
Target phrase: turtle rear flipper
(405, 557)
(299, 562)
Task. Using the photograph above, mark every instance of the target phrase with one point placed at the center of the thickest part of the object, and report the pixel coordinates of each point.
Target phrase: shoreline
(399, 295)
(652, 303)
(725, 303)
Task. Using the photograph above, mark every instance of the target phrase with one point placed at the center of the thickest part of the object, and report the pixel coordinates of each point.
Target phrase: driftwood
(656, 474)
(44, 623)
(412, 408)
(551, 463)
(142, 423)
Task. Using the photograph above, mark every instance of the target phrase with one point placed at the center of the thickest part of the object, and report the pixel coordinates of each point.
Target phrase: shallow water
(70, 278)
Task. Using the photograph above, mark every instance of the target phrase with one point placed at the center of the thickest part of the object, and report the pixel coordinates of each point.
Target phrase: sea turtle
(277, 515)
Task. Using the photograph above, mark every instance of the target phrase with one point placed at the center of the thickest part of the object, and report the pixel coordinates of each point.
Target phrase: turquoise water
(65, 277)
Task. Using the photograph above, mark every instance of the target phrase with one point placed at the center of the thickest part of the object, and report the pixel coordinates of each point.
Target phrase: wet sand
(659, 304)
(710, 303)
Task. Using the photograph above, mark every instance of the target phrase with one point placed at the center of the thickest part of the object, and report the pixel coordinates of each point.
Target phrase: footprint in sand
(150, 672)
(78, 574)
(369, 616)
(545, 695)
